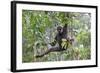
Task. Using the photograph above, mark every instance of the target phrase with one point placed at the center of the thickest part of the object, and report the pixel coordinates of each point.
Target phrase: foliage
(39, 29)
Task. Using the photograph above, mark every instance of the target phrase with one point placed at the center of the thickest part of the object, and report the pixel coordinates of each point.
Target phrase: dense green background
(39, 29)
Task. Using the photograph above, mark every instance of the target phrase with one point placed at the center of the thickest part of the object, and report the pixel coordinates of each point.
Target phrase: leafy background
(39, 29)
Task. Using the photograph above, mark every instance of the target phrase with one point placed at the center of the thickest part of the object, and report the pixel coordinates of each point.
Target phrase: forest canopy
(39, 29)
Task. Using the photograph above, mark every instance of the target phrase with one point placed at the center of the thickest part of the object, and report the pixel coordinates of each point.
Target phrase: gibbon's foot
(38, 56)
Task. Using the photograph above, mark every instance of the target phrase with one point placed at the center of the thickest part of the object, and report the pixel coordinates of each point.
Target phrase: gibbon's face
(59, 30)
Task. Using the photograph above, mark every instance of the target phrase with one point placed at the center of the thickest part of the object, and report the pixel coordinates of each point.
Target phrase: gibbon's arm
(54, 42)
(65, 28)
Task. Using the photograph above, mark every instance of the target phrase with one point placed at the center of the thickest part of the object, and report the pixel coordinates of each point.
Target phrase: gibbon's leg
(46, 52)
(53, 49)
